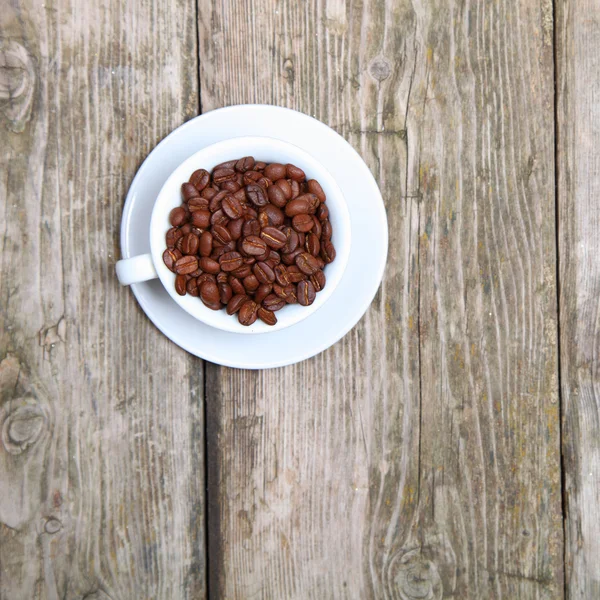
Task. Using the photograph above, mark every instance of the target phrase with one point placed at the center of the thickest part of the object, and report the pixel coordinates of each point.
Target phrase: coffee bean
(209, 193)
(295, 173)
(295, 274)
(249, 260)
(244, 164)
(206, 243)
(275, 171)
(190, 243)
(273, 237)
(318, 280)
(314, 187)
(312, 244)
(223, 174)
(230, 186)
(281, 274)
(306, 293)
(242, 271)
(201, 218)
(273, 303)
(302, 223)
(254, 246)
(221, 234)
(196, 273)
(235, 228)
(204, 278)
(240, 195)
(215, 202)
(263, 219)
(200, 179)
(298, 206)
(222, 277)
(274, 258)
(327, 230)
(251, 283)
(291, 240)
(327, 252)
(198, 204)
(263, 272)
(209, 293)
(186, 265)
(236, 285)
(209, 265)
(192, 287)
(230, 261)
(289, 292)
(256, 195)
(178, 216)
(219, 218)
(236, 303)
(252, 177)
(320, 262)
(172, 236)
(170, 257)
(251, 227)
(285, 187)
(267, 316)
(228, 164)
(188, 191)
(306, 262)
(260, 166)
(322, 212)
(250, 213)
(248, 313)
(264, 183)
(232, 207)
(290, 259)
(262, 291)
(277, 195)
(225, 292)
(295, 187)
(317, 229)
(180, 284)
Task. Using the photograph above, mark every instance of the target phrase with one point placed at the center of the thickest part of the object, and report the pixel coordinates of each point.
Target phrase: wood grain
(578, 123)
(101, 450)
(419, 457)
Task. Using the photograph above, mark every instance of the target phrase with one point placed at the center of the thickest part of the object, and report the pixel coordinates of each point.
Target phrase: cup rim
(207, 158)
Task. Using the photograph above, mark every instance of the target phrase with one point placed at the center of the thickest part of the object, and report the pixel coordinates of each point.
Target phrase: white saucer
(368, 253)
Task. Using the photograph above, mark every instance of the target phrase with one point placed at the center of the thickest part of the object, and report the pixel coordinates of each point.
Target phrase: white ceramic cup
(149, 266)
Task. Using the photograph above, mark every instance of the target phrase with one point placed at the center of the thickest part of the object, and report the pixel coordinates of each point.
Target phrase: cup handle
(136, 269)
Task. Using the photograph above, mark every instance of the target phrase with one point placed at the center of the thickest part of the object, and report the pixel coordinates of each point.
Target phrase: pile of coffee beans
(250, 237)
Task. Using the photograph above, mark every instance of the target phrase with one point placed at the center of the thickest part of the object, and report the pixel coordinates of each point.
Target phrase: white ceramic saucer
(369, 238)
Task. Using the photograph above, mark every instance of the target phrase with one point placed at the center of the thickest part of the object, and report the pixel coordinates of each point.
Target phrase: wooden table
(447, 447)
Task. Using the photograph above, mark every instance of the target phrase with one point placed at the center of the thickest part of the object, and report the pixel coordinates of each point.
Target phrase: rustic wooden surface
(420, 457)
(578, 155)
(101, 453)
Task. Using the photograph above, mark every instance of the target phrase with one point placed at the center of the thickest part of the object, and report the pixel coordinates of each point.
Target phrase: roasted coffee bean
(286, 188)
(180, 284)
(327, 252)
(275, 171)
(219, 218)
(295, 173)
(262, 291)
(267, 316)
(201, 218)
(236, 285)
(196, 273)
(244, 164)
(314, 187)
(236, 303)
(209, 193)
(274, 257)
(192, 287)
(295, 187)
(252, 177)
(172, 236)
(248, 313)
(235, 228)
(170, 257)
(231, 261)
(317, 229)
(306, 262)
(225, 292)
(178, 216)
(254, 246)
(281, 274)
(186, 265)
(263, 219)
(295, 274)
(264, 182)
(318, 280)
(249, 260)
(322, 212)
(306, 293)
(242, 271)
(231, 186)
(263, 272)
(232, 207)
(204, 278)
(303, 223)
(290, 259)
(240, 195)
(251, 227)
(228, 164)
(188, 191)
(179, 244)
(312, 244)
(206, 243)
(200, 179)
(276, 195)
(301, 239)
(275, 215)
(291, 240)
(327, 230)
(264, 256)
(260, 166)
(221, 234)
(250, 213)
(190, 244)
(298, 206)
(256, 194)
(222, 277)
(251, 283)
(198, 204)
(273, 303)
(209, 265)
(215, 202)
(223, 174)
(320, 262)
(287, 293)
(209, 293)
(273, 237)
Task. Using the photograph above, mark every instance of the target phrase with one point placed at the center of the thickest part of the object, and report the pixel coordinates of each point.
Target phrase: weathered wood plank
(101, 455)
(578, 69)
(419, 457)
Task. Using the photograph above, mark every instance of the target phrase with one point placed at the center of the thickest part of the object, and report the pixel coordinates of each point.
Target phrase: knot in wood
(380, 68)
(417, 578)
(22, 425)
(52, 525)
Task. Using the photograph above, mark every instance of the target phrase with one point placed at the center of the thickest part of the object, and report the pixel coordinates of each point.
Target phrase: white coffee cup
(144, 267)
